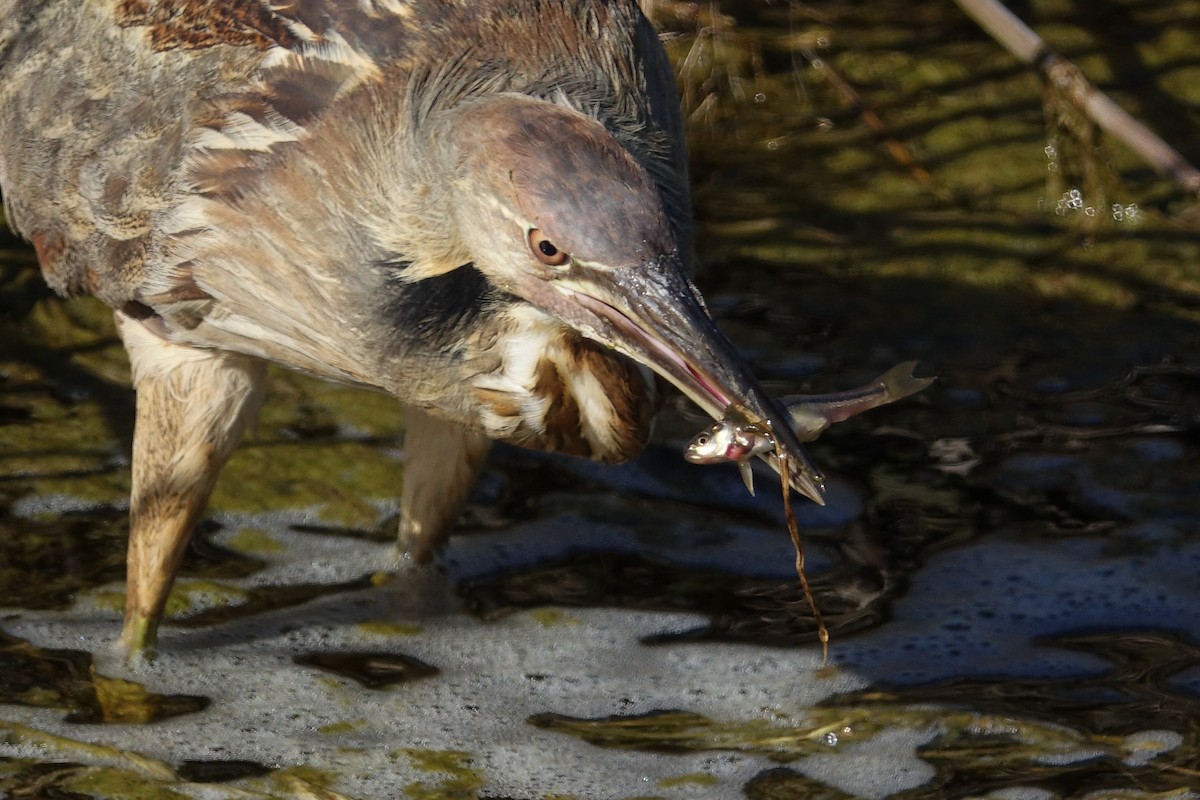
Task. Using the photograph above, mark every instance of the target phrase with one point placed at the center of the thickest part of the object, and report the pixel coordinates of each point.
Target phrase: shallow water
(1007, 563)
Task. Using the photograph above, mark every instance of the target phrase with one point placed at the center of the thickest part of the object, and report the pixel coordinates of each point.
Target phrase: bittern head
(553, 209)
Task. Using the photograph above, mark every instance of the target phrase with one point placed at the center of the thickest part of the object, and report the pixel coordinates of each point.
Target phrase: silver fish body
(738, 439)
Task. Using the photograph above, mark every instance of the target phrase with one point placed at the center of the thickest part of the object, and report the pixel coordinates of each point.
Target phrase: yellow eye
(545, 250)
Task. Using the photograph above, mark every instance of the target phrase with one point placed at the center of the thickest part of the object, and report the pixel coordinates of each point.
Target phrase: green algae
(220, 771)
(740, 609)
(44, 678)
(67, 680)
(257, 542)
(385, 628)
(302, 782)
(787, 784)
(448, 761)
(123, 701)
(262, 599)
(17, 734)
(996, 742)
(683, 731)
(301, 459)
(104, 783)
(458, 778)
(972, 741)
(80, 431)
(892, 265)
(371, 669)
(312, 409)
(337, 479)
(129, 775)
(691, 779)
(188, 597)
(552, 617)
(46, 562)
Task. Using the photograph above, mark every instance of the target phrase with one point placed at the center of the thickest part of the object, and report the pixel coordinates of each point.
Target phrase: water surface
(1007, 563)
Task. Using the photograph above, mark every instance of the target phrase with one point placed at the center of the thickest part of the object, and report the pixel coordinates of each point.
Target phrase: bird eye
(545, 250)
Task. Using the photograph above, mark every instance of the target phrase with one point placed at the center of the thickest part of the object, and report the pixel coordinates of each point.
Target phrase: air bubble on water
(830, 738)
(1129, 214)
(760, 97)
(1071, 200)
(1051, 157)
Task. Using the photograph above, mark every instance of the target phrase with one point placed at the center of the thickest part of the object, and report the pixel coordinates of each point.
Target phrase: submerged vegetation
(874, 182)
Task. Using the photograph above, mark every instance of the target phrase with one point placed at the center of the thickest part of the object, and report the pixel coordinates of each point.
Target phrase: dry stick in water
(1022, 42)
(798, 546)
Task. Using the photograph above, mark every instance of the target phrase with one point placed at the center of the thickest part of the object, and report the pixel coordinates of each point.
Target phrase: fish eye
(545, 250)
(702, 439)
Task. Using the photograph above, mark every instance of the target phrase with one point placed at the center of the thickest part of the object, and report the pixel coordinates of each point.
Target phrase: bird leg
(192, 407)
(441, 462)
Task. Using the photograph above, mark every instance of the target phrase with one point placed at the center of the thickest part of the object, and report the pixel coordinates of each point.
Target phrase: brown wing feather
(239, 168)
(194, 25)
(103, 105)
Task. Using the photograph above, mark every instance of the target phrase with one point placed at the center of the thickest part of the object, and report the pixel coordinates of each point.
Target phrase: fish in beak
(738, 440)
(653, 314)
(554, 209)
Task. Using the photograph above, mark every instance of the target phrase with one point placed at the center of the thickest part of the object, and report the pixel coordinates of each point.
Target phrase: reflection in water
(1007, 564)
(68, 680)
(373, 670)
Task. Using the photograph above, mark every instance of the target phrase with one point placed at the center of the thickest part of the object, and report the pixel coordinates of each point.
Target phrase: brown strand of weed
(798, 546)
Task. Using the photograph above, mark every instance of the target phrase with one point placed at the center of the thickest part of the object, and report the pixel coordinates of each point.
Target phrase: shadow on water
(1008, 560)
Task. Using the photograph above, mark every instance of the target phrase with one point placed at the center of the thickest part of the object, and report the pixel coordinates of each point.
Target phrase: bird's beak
(653, 314)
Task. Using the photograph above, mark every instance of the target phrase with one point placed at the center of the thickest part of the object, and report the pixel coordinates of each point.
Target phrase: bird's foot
(139, 638)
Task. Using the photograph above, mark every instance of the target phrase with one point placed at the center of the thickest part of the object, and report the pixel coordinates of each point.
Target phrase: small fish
(735, 439)
(739, 439)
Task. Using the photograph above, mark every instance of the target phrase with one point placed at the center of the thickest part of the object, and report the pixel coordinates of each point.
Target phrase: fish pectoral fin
(747, 475)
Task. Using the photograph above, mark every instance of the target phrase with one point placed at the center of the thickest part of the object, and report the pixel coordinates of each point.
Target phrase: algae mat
(1007, 563)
